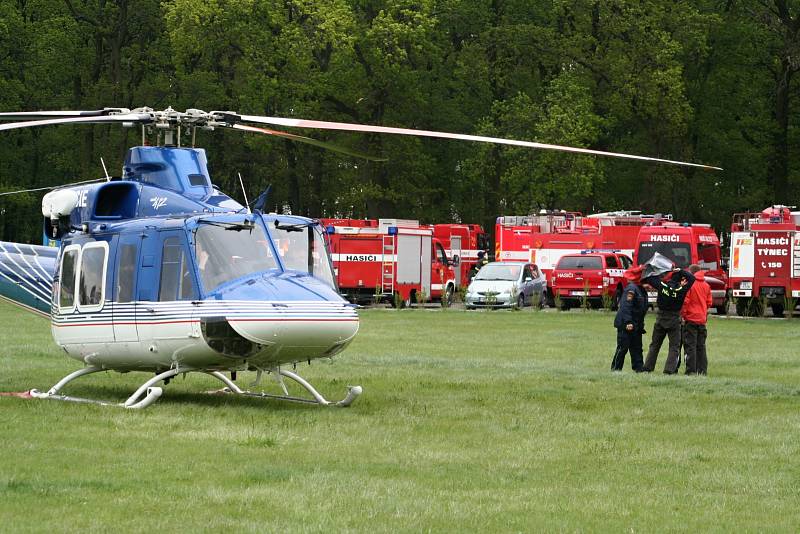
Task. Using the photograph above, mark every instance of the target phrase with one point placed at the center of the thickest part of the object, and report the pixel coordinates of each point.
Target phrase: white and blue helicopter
(158, 271)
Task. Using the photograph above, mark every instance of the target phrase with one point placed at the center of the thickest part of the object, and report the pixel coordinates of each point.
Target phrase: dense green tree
(696, 80)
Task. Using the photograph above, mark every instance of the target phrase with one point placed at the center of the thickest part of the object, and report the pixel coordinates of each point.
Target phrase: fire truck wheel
(565, 304)
(777, 309)
(741, 307)
(448, 295)
(399, 301)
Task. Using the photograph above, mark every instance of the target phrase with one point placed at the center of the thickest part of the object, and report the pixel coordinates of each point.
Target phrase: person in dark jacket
(629, 322)
(482, 260)
(671, 294)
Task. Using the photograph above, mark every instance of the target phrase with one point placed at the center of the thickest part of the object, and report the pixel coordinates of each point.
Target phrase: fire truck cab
(462, 242)
(764, 265)
(389, 259)
(685, 244)
(593, 275)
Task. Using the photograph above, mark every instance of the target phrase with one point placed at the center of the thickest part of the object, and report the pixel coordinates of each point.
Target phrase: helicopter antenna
(103, 163)
(51, 187)
(246, 203)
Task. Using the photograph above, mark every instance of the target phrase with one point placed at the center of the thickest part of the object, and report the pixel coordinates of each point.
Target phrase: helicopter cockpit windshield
(302, 248)
(226, 252)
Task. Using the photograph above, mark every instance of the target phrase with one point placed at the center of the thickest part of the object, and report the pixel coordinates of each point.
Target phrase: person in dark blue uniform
(629, 322)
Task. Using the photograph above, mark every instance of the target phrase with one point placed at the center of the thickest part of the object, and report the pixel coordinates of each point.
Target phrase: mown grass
(469, 421)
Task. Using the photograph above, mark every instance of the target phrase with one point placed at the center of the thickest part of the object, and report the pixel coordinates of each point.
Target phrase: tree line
(710, 81)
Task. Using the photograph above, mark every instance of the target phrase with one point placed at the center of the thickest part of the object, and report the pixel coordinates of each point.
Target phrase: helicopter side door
(127, 258)
(165, 288)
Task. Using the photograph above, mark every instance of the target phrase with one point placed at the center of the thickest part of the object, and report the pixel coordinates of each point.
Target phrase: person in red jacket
(694, 315)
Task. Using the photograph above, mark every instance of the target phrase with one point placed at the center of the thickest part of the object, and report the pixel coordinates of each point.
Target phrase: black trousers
(668, 324)
(694, 345)
(627, 341)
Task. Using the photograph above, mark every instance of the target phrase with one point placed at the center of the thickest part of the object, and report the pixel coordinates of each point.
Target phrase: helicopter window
(226, 253)
(66, 294)
(126, 273)
(176, 279)
(91, 288)
(157, 174)
(198, 180)
(304, 250)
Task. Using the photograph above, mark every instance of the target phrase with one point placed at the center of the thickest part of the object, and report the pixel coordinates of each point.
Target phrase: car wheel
(521, 301)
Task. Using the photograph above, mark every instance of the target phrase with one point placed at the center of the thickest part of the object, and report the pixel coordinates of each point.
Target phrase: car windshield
(302, 248)
(227, 252)
(580, 262)
(499, 272)
(679, 253)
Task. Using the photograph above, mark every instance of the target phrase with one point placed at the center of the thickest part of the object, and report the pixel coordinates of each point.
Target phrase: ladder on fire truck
(388, 262)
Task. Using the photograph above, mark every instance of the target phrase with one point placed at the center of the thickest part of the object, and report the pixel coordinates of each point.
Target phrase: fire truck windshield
(225, 253)
(709, 256)
(679, 253)
(302, 248)
(499, 272)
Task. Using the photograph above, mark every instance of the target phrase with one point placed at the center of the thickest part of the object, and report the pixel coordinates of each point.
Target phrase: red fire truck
(388, 259)
(543, 238)
(685, 244)
(462, 242)
(764, 264)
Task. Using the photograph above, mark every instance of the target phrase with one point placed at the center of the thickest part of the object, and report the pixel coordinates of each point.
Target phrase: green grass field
(469, 421)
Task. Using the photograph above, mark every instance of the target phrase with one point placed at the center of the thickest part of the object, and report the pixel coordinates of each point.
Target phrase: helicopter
(159, 271)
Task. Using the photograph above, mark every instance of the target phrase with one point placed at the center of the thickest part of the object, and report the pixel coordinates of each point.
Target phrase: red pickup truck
(590, 275)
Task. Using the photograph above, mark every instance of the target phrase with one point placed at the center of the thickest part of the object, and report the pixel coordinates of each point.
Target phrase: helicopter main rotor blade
(23, 115)
(325, 125)
(308, 141)
(141, 118)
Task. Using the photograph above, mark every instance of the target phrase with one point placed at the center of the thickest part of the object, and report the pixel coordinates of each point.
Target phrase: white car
(506, 284)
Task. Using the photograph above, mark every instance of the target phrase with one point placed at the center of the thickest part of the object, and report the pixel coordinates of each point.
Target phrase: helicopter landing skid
(143, 397)
(147, 393)
(352, 391)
